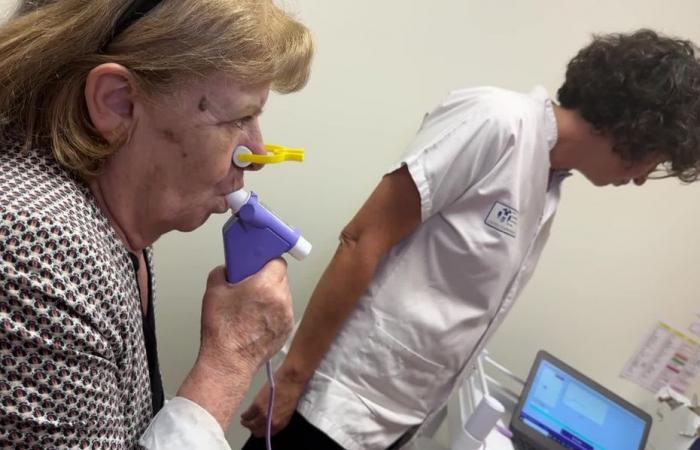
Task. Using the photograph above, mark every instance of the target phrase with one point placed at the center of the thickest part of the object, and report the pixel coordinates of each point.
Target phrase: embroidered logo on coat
(503, 218)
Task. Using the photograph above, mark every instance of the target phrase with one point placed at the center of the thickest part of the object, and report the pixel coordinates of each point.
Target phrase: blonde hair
(46, 53)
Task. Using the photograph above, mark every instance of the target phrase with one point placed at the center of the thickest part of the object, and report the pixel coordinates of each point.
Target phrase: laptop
(560, 408)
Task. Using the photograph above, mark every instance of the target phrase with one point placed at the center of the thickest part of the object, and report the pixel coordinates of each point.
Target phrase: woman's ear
(109, 94)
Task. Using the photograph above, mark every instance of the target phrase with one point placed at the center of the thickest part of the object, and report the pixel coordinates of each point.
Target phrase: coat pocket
(394, 380)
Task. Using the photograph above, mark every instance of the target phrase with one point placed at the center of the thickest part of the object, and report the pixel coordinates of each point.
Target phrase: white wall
(618, 259)
(7, 7)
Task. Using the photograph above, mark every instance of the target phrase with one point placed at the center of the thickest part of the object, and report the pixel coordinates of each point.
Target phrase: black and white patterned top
(74, 368)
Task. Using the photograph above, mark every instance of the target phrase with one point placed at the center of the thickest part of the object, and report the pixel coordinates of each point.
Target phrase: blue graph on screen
(576, 416)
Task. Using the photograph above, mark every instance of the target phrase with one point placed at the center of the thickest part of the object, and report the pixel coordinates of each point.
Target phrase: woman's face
(603, 166)
(189, 139)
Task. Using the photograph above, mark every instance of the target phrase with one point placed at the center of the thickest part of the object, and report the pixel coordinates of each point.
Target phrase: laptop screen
(577, 416)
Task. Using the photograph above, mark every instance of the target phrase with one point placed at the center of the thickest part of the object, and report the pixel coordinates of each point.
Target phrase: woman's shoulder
(55, 245)
(43, 206)
(33, 182)
(502, 105)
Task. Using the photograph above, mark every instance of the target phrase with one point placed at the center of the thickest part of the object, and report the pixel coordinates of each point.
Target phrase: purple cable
(504, 431)
(270, 403)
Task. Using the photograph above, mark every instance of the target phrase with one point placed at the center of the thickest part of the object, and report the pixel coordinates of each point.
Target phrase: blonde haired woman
(117, 121)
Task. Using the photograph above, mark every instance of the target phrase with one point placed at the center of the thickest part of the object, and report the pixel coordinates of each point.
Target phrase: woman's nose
(644, 174)
(252, 138)
(640, 180)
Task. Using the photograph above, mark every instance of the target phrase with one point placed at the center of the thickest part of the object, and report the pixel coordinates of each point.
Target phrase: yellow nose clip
(243, 156)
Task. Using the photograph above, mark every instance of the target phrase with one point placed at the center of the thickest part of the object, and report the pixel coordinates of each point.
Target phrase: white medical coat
(481, 164)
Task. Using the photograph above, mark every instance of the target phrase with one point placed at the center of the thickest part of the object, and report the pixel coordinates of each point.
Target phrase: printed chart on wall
(666, 357)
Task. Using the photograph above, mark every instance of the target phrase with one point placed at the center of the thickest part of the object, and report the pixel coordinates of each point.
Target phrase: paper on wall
(666, 357)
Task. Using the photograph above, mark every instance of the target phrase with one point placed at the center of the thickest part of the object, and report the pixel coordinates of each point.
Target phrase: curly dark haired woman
(432, 263)
(644, 91)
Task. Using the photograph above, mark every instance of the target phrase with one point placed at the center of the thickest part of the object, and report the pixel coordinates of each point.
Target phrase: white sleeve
(458, 144)
(183, 425)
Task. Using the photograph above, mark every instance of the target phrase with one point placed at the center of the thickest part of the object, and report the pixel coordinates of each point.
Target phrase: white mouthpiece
(301, 249)
(237, 199)
(241, 150)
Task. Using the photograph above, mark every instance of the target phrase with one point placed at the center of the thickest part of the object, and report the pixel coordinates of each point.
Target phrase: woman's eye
(241, 123)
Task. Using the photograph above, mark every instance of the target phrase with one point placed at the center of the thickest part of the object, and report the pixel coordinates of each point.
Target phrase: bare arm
(218, 386)
(391, 213)
(242, 326)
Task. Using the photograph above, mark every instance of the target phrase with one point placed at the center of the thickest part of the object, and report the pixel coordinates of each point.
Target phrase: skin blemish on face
(170, 135)
(203, 104)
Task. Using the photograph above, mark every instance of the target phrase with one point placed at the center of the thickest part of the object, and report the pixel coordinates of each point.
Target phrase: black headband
(134, 12)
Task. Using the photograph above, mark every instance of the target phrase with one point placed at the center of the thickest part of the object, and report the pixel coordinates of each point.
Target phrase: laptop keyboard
(521, 444)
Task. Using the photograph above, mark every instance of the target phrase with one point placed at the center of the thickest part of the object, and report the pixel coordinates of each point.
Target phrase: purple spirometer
(254, 235)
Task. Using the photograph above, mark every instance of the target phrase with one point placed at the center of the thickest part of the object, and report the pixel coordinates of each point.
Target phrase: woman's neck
(120, 213)
(571, 132)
